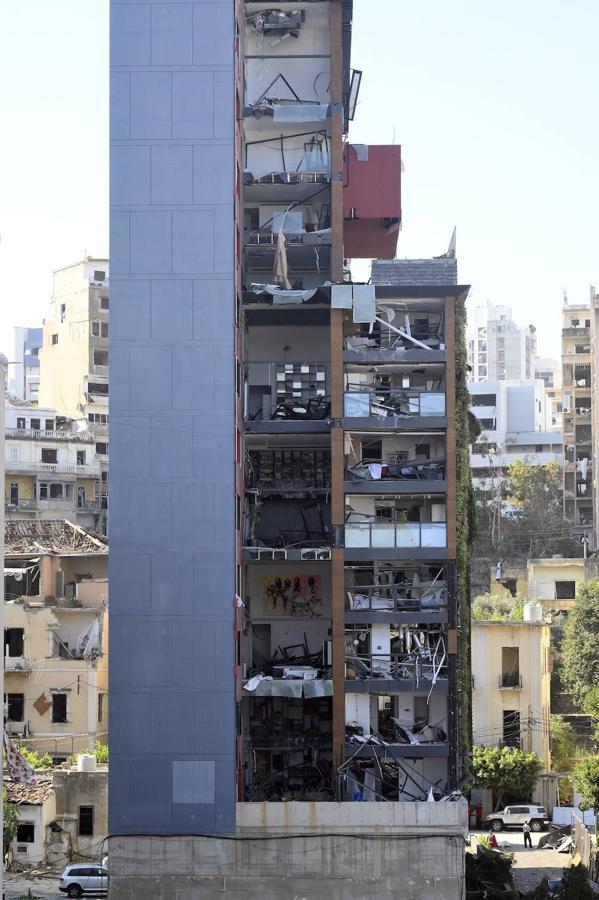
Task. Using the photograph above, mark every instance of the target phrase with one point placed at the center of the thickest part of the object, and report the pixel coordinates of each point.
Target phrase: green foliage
(580, 659)
(563, 744)
(100, 751)
(586, 781)
(539, 531)
(506, 770)
(496, 607)
(466, 433)
(34, 759)
(11, 818)
(575, 884)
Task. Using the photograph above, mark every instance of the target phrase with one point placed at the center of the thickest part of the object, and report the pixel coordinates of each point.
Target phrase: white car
(81, 879)
(515, 817)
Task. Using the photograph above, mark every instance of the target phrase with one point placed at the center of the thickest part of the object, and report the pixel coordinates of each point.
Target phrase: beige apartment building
(511, 671)
(74, 354)
(553, 583)
(55, 636)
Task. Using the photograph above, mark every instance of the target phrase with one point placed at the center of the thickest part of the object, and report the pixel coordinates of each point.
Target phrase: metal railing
(510, 680)
(364, 401)
(395, 534)
(397, 597)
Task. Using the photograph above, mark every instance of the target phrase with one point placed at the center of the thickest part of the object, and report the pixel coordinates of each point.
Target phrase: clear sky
(495, 106)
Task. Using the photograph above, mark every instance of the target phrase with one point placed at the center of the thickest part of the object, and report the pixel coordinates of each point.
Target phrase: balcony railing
(56, 468)
(510, 680)
(397, 597)
(83, 437)
(54, 502)
(401, 535)
(16, 664)
(398, 666)
(362, 402)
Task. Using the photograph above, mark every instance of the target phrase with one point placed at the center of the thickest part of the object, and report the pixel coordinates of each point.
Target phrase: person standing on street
(527, 837)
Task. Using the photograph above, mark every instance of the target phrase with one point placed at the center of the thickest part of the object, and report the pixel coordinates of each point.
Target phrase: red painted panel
(372, 187)
(369, 239)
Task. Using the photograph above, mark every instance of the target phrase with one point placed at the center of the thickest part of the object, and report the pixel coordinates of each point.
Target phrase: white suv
(78, 880)
(516, 816)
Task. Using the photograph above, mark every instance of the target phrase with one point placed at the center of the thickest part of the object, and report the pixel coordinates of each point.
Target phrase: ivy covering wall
(466, 432)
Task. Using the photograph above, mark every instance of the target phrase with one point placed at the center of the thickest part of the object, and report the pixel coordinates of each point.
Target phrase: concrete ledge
(361, 817)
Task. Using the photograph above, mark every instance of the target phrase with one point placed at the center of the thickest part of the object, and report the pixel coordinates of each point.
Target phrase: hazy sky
(495, 106)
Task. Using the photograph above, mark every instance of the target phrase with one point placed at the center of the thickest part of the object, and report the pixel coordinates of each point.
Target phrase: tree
(100, 751)
(506, 770)
(34, 759)
(563, 744)
(494, 607)
(539, 530)
(11, 819)
(580, 660)
(586, 781)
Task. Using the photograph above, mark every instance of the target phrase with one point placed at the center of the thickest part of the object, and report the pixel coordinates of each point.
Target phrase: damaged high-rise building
(289, 631)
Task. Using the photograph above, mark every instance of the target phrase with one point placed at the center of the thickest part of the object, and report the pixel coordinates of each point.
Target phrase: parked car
(78, 880)
(516, 816)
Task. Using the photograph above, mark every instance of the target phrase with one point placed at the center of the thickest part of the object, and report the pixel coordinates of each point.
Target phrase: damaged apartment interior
(347, 621)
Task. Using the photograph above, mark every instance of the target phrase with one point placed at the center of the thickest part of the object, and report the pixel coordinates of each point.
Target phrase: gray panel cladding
(172, 539)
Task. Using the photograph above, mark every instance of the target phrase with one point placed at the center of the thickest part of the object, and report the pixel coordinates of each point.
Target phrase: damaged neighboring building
(55, 636)
(74, 355)
(283, 538)
(51, 468)
(63, 817)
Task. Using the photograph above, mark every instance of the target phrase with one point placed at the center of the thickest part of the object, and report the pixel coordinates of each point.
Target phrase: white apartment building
(512, 416)
(498, 348)
(52, 470)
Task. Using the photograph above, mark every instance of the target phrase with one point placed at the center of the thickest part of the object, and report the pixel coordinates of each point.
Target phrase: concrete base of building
(303, 851)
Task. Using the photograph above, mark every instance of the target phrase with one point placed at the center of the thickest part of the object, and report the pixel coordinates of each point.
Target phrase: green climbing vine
(466, 433)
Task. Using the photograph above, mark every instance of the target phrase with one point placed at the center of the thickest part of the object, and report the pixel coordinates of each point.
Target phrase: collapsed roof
(57, 537)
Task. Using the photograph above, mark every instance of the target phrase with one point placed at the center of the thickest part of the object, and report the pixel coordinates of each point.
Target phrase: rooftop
(28, 794)
(52, 536)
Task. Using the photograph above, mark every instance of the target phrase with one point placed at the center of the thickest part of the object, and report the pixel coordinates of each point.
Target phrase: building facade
(52, 469)
(24, 377)
(55, 637)
(283, 535)
(577, 409)
(554, 583)
(511, 668)
(74, 355)
(498, 348)
(512, 417)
